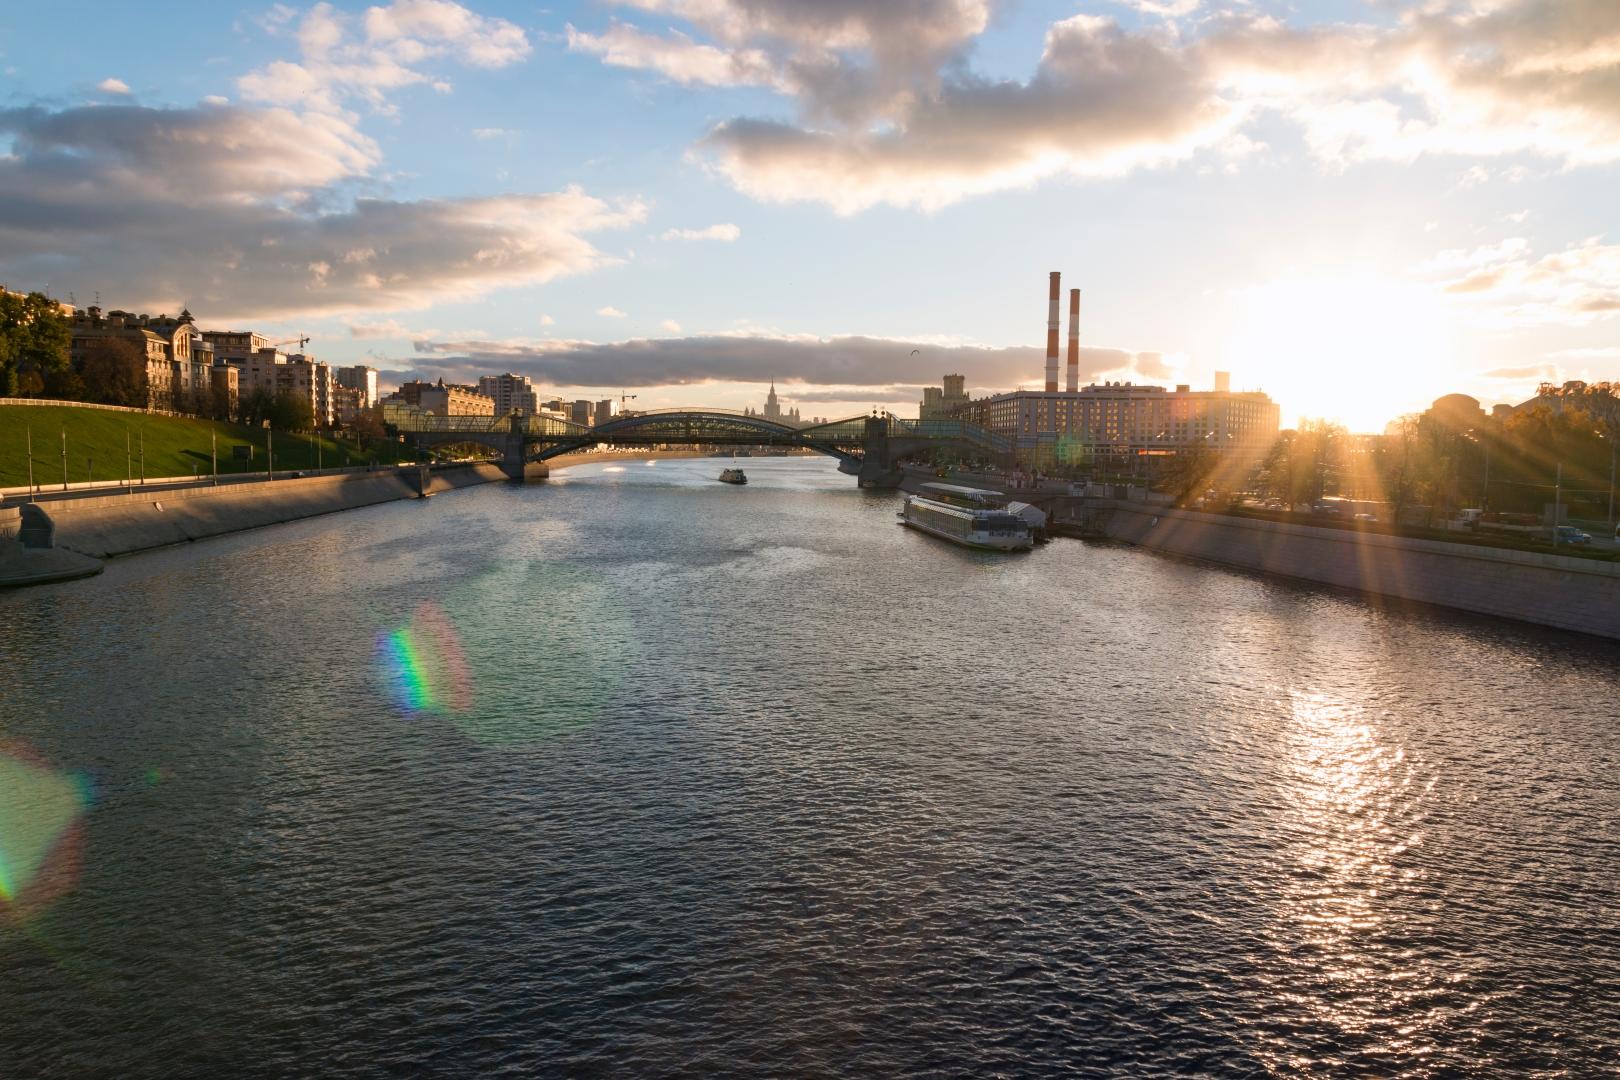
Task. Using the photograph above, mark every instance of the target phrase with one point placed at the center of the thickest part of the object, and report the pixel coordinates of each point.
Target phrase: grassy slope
(174, 445)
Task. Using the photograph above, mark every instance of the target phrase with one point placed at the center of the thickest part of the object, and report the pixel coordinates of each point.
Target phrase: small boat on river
(733, 476)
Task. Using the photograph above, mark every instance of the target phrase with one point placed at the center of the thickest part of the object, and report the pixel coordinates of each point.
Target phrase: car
(1366, 517)
(1569, 534)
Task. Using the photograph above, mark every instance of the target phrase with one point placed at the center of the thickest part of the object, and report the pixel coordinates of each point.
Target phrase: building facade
(180, 361)
(511, 394)
(940, 403)
(452, 399)
(361, 378)
(1122, 420)
(774, 412)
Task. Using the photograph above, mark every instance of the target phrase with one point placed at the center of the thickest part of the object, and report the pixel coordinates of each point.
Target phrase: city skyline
(1355, 208)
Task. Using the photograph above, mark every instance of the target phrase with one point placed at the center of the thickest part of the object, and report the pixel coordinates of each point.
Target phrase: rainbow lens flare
(424, 665)
(41, 830)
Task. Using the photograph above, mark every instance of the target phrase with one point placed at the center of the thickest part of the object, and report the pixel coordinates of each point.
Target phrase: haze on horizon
(1355, 206)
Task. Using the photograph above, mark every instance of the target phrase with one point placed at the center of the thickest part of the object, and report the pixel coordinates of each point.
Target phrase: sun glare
(1356, 350)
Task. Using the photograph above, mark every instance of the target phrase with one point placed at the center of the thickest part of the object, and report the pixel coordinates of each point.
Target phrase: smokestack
(1052, 334)
(1074, 341)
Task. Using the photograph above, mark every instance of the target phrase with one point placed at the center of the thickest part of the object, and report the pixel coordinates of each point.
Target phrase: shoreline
(86, 531)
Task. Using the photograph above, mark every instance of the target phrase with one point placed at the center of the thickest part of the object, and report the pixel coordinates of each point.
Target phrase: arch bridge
(869, 448)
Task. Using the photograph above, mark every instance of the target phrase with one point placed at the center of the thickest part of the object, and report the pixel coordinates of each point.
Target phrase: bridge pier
(877, 465)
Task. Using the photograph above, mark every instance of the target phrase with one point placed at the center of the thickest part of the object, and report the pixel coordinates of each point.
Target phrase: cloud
(113, 86)
(676, 57)
(390, 47)
(670, 326)
(387, 328)
(486, 134)
(1580, 284)
(1528, 372)
(611, 312)
(724, 233)
(547, 320)
(1102, 101)
(837, 361)
(891, 111)
(232, 211)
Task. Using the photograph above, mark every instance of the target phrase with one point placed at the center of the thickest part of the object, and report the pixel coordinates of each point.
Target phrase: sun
(1357, 350)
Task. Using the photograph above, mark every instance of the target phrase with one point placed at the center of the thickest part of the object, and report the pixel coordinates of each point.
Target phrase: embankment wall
(1551, 590)
(122, 524)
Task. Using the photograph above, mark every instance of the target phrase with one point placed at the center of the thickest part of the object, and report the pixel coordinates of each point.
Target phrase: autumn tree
(114, 372)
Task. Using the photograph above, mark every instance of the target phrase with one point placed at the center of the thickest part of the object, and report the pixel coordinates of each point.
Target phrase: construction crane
(624, 398)
(302, 340)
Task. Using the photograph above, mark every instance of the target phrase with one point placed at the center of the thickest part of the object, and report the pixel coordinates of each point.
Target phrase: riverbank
(1560, 591)
(93, 528)
(116, 525)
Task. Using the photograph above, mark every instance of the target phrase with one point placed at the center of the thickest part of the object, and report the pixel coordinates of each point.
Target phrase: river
(634, 773)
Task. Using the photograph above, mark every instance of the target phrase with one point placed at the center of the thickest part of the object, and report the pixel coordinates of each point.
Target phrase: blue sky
(1355, 206)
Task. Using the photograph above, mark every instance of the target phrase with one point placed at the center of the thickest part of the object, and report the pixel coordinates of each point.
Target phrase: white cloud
(726, 233)
(611, 312)
(891, 111)
(113, 86)
(485, 134)
(1514, 287)
(391, 47)
(94, 198)
(670, 326)
(676, 57)
(388, 328)
(547, 320)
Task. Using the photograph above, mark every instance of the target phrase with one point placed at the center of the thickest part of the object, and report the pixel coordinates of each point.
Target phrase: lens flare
(424, 665)
(41, 830)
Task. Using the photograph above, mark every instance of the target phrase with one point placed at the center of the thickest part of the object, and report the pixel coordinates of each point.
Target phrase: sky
(1353, 205)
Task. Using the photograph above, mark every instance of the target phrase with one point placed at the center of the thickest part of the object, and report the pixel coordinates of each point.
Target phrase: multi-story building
(774, 412)
(580, 412)
(348, 404)
(511, 394)
(266, 370)
(180, 360)
(361, 378)
(1124, 420)
(939, 403)
(453, 400)
(231, 346)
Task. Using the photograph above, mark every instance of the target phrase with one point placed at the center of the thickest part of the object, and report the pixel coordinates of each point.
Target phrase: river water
(636, 774)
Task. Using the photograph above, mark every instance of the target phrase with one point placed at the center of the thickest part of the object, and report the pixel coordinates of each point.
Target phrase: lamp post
(64, 459)
(1558, 500)
(29, 434)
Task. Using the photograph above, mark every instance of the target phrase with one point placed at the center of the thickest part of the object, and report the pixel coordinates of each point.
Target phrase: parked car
(1569, 534)
(1366, 517)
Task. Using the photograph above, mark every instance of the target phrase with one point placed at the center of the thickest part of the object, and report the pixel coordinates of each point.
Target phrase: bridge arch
(712, 427)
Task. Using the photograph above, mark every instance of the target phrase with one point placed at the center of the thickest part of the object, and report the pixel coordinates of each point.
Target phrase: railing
(90, 405)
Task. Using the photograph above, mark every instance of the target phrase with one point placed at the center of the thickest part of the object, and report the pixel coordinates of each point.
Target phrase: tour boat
(733, 476)
(968, 516)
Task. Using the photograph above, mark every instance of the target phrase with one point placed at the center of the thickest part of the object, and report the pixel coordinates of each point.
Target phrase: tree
(1190, 473)
(114, 372)
(291, 412)
(34, 336)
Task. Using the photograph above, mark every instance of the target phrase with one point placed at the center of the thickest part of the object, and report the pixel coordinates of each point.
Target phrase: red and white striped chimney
(1052, 335)
(1074, 340)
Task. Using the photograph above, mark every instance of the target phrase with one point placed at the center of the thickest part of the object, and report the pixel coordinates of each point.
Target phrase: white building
(511, 394)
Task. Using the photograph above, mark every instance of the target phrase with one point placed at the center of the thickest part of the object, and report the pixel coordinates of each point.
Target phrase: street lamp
(1613, 449)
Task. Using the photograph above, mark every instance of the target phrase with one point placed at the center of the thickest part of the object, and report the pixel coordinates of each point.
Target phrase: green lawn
(174, 446)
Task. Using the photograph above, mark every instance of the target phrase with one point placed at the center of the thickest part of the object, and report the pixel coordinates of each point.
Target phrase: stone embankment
(1551, 590)
(68, 538)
